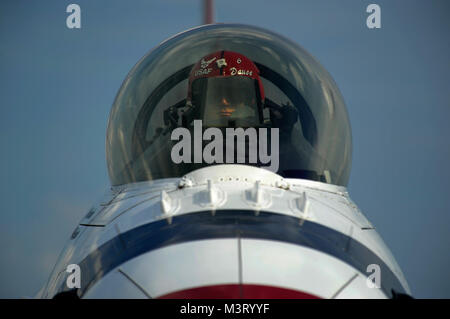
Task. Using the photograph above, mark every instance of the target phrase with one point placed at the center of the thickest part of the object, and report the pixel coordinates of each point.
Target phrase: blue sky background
(57, 86)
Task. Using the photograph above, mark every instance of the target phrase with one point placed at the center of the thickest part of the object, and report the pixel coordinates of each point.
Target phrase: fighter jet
(229, 151)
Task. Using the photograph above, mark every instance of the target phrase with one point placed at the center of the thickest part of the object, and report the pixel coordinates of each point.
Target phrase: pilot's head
(225, 90)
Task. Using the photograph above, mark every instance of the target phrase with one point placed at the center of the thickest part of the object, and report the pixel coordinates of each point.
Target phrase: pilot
(225, 90)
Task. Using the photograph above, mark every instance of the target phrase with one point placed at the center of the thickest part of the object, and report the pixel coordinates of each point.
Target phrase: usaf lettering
(246, 308)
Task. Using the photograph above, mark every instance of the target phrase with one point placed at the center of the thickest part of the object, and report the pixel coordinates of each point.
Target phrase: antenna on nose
(208, 11)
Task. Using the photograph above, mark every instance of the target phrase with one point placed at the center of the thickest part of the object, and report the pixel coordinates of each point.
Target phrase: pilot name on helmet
(234, 71)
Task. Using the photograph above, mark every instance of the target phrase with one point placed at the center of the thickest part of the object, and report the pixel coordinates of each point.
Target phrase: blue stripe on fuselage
(231, 224)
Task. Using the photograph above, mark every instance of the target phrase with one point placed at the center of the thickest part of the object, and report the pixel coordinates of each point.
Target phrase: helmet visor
(227, 101)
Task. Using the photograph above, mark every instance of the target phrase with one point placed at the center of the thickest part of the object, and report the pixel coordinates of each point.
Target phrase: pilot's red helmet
(225, 89)
(225, 64)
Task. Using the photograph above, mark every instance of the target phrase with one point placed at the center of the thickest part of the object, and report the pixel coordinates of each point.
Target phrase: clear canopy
(155, 110)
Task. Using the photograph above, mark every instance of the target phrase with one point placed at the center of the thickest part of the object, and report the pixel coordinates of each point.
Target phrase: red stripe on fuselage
(236, 291)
